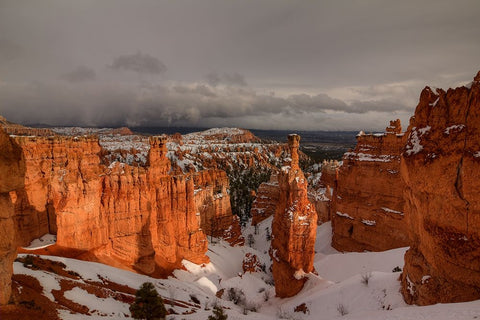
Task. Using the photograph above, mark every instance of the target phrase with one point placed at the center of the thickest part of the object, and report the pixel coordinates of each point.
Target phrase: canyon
(146, 204)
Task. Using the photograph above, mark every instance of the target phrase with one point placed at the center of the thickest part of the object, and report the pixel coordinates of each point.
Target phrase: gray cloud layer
(279, 63)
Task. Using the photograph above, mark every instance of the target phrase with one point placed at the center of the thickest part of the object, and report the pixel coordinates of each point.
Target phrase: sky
(260, 64)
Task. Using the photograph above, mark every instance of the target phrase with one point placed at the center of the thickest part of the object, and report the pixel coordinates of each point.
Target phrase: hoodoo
(293, 228)
(441, 171)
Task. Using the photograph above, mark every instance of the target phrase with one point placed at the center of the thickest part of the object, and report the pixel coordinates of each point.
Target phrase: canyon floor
(348, 286)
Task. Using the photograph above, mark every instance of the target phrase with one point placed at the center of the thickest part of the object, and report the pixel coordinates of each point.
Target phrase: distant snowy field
(339, 289)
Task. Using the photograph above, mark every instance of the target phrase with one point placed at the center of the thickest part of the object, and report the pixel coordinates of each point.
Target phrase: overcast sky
(265, 64)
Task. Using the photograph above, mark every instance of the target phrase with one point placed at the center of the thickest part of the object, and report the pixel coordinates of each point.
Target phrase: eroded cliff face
(321, 194)
(212, 202)
(12, 171)
(266, 200)
(293, 228)
(141, 218)
(441, 170)
(367, 204)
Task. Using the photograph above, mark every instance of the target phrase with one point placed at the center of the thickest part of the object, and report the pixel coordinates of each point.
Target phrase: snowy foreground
(349, 286)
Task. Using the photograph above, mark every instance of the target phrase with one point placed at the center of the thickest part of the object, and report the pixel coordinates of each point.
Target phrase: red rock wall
(141, 218)
(12, 171)
(441, 170)
(266, 200)
(212, 203)
(367, 207)
(293, 229)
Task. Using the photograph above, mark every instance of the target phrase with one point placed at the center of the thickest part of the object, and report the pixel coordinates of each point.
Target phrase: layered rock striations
(266, 200)
(212, 202)
(441, 172)
(367, 207)
(12, 171)
(136, 217)
(293, 228)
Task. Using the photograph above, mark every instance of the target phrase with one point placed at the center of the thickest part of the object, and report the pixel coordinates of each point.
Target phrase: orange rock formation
(441, 170)
(136, 217)
(266, 200)
(293, 228)
(367, 206)
(12, 171)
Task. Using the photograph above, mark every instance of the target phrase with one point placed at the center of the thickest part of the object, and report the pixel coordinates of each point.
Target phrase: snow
(339, 285)
(360, 156)
(42, 242)
(103, 306)
(414, 146)
(392, 211)
(456, 127)
(345, 215)
(369, 222)
(434, 104)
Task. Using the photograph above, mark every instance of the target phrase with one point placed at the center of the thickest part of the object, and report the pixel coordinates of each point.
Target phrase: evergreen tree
(148, 304)
(218, 314)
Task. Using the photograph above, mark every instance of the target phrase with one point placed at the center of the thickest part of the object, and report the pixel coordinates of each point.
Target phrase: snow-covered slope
(349, 286)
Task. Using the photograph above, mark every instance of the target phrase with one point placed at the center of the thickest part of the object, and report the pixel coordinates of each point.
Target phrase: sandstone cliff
(12, 171)
(266, 200)
(133, 217)
(441, 171)
(293, 228)
(367, 204)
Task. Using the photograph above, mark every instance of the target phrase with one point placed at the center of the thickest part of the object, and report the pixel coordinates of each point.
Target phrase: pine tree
(218, 314)
(148, 304)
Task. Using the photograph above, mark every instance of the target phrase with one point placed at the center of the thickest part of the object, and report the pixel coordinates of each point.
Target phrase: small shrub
(194, 299)
(366, 278)
(218, 313)
(250, 240)
(28, 261)
(236, 296)
(148, 304)
(266, 295)
(342, 309)
(397, 269)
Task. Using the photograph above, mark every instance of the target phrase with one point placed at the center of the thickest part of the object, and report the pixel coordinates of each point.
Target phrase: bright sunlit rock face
(12, 171)
(293, 228)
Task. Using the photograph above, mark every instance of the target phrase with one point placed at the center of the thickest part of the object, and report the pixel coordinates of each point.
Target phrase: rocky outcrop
(441, 172)
(12, 171)
(367, 204)
(212, 202)
(266, 200)
(293, 228)
(251, 263)
(134, 217)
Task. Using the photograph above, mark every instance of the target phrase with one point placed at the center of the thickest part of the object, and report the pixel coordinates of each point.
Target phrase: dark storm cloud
(310, 64)
(81, 73)
(103, 104)
(139, 62)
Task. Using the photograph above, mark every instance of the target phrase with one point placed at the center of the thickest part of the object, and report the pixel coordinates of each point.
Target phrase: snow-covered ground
(349, 285)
